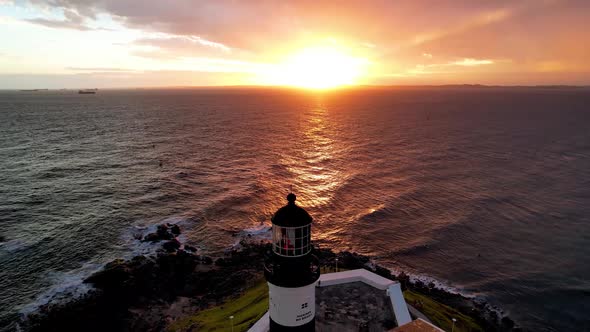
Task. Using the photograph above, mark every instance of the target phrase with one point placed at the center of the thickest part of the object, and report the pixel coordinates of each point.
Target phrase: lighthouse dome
(291, 215)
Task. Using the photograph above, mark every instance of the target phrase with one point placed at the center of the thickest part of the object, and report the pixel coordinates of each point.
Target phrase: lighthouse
(291, 271)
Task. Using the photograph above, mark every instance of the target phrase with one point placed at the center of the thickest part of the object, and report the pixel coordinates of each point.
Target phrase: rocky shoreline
(148, 293)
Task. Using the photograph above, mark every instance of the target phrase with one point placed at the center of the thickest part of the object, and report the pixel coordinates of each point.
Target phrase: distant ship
(87, 92)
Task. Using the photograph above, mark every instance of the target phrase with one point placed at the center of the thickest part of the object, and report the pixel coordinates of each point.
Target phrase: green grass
(440, 314)
(246, 309)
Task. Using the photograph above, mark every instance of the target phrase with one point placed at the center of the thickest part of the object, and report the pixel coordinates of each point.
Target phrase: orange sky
(117, 43)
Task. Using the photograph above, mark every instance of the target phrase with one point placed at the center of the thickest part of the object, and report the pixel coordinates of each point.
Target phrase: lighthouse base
(307, 327)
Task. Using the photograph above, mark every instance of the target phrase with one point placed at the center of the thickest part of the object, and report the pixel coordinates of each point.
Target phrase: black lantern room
(291, 226)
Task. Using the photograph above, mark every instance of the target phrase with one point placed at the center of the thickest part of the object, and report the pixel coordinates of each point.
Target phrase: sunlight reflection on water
(310, 162)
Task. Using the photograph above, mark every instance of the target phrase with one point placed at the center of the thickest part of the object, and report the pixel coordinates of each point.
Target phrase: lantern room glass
(291, 241)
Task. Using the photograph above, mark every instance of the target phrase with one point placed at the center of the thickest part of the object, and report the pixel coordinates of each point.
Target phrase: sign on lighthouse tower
(292, 271)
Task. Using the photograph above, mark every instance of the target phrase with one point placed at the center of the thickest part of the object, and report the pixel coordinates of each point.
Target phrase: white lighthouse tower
(292, 271)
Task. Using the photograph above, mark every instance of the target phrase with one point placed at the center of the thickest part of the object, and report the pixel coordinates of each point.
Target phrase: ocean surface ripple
(486, 190)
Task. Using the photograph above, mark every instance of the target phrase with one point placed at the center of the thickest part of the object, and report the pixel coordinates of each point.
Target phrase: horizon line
(349, 87)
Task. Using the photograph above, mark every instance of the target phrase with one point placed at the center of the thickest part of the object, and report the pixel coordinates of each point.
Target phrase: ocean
(485, 191)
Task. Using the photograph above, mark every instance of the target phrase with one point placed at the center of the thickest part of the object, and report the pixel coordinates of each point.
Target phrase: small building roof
(353, 306)
(359, 299)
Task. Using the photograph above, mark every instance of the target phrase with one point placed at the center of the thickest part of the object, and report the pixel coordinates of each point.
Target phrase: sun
(319, 68)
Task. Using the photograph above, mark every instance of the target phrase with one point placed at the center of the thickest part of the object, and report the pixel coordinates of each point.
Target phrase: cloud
(407, 32)
(171, 46)
(465, 62)
(71, 20)
(100, 69)
(402, 29)
(478, 20)
(175, 41)
(58, 24)
(441, 68)
(254, 24)
(469, 62)
(193, 64)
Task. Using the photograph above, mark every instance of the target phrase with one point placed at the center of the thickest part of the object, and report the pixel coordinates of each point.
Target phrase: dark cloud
(57, 24)
(72, 20)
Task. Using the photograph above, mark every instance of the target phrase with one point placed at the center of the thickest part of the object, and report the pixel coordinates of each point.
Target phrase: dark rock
(386, 273)
(175, 229)
(494, 316)
(113, 275)
(171, 245)
(163, 232)
(138, 260)
(351, 260)
(190, 248)
(507, 323)
(148, 284)
(185, 262)
(419, 284)
(404, 280)
(152, 237)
